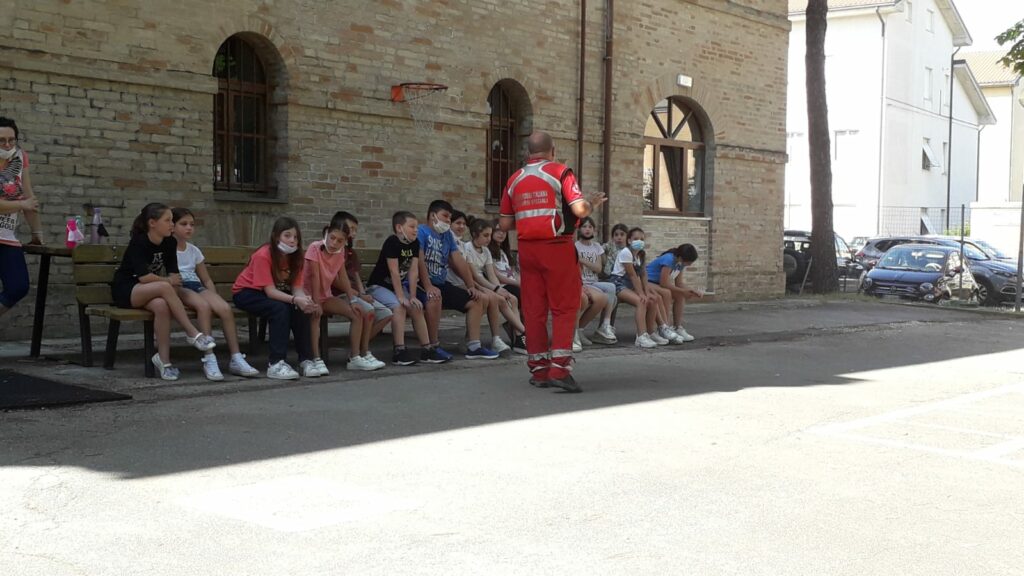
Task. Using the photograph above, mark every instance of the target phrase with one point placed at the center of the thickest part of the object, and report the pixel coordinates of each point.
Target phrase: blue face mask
(637, 245)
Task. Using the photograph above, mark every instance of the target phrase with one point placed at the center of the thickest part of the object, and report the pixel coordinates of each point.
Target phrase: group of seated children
(656, 288)
(422, 270)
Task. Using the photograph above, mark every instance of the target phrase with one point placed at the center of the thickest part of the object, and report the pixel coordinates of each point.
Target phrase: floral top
(10, 190)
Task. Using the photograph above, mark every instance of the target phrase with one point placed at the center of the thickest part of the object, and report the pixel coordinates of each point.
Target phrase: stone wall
(115, 100)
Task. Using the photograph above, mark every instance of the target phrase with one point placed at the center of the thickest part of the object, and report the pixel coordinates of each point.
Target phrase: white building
(996, 215)
(889, 77)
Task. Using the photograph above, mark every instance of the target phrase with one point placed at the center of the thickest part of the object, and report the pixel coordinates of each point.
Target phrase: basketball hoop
(424, 101)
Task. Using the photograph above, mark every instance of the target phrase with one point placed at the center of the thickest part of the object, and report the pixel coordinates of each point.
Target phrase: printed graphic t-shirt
(437, 249)
(394, 249)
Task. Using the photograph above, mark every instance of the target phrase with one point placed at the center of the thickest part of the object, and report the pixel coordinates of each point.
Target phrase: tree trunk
(823, 251)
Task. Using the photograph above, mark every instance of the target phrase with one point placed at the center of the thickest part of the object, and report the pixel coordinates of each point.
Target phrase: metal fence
(900, 220)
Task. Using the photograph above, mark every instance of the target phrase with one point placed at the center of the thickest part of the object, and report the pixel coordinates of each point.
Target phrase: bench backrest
(95, 264)
(94, 267)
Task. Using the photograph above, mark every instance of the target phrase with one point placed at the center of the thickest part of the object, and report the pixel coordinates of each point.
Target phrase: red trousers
(550, 283)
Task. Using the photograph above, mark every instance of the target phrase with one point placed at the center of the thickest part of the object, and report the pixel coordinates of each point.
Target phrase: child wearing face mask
(393, 284)
(325, 268)
(439, 253)
(592, 257)
(631, 287)
(198, 292)
(270, 287)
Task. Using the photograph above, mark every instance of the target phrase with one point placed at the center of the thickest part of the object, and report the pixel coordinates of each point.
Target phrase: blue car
(926, 272)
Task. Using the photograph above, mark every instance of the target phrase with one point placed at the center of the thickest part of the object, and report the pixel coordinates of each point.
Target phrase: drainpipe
(977, 167)
(949, 146)
(609, 39)
(881, 124)
(582, 95)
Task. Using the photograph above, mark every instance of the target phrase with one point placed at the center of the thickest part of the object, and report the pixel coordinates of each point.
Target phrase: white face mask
(327, 247)
(286, 249)
(403, 238)
(441, 227)
(8, 154)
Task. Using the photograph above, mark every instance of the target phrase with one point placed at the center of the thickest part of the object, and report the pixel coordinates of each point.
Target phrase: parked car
(995, 276)
(796, 246)
(857, 243)
(925, 272)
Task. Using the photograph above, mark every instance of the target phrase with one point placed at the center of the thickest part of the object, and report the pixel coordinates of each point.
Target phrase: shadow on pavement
(179, 434)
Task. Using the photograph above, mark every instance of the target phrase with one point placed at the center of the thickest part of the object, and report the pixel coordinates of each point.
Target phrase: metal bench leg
(148, 347)
(112, 332)
(85, 330)
(325, 348)
(254, 343)
(262, 335)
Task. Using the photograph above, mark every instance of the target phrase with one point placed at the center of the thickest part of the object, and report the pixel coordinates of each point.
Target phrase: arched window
(241, 120)
(674, 160)
(510, 124)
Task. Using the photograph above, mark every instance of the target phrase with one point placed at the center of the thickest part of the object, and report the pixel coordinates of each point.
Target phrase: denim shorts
(380, 311)
(194, 286)
(621, 283)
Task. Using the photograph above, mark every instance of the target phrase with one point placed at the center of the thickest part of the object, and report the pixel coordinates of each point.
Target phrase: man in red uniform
(542, 201)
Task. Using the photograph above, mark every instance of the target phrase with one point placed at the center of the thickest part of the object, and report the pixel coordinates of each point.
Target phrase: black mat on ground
(18, 391)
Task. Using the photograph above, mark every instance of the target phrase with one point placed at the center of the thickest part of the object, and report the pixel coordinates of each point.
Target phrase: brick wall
(116, 102)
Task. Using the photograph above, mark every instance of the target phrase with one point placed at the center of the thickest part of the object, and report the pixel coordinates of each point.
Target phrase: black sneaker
(404, 357)
(567, 383)
(519, 344)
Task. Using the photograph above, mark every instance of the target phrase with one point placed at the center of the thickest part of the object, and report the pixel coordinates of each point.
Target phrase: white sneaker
(669, 334)
(211, 368)
(166, 371)
(657, 339)
(360, 363)
(309, 369)
(608, 334)
(644, 341)
(684, 334)
(321, 368)
(202, 342)
(583, 338)
(373, 360)
(499, 345)
(577, 346)
(282, 371)
(239, 367)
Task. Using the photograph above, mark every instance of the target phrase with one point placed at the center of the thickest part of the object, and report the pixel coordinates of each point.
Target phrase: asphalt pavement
(793, 437)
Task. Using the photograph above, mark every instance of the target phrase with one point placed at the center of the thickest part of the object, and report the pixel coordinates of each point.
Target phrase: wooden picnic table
(45, 253)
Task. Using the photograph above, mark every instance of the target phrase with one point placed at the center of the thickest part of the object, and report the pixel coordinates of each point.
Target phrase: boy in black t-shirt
(393, 284)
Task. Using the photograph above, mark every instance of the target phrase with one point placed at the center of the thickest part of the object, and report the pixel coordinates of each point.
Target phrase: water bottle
(80, 227)
(74, 236)
(97, 223)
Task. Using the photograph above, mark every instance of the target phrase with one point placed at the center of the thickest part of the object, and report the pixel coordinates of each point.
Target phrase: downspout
(582, 94)
(881, 124)
(949, 139)
(977, 167)
(606, 176)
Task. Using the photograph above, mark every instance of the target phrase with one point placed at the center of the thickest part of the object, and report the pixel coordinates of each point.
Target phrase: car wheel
(986, 294)
(794, 265)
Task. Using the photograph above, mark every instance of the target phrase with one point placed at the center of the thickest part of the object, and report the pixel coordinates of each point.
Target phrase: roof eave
(963, 74)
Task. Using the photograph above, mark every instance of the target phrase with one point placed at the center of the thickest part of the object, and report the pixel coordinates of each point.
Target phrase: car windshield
(991, 250)
(913, 259)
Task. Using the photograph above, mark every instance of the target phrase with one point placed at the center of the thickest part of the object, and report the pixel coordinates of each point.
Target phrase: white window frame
(929, 77)
(929, 22)
(910, 11)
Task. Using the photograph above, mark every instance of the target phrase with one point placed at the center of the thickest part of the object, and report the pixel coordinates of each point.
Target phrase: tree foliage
(1014, 59)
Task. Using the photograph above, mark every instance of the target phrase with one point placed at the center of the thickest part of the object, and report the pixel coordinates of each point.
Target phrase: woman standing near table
(15, 197)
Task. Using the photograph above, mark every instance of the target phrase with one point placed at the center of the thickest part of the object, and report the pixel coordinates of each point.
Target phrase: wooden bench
(93, 269)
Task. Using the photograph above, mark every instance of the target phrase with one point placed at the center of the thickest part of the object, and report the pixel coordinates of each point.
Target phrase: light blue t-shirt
(437, 248)
(664, 261)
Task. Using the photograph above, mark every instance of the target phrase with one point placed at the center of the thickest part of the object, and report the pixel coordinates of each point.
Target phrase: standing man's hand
(597, 199)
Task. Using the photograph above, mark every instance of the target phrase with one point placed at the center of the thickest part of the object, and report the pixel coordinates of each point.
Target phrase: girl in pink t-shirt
(270, 287)
(325, 268)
